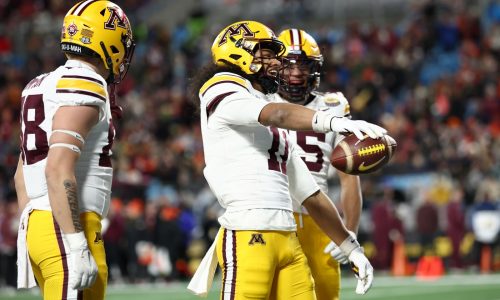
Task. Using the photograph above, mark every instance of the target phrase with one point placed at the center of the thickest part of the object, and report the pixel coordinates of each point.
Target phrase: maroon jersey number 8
(32, 121)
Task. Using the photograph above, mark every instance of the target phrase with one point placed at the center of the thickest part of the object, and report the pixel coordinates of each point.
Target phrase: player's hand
(84, 265)
(358, 127)
(335, 251)
(363, 270)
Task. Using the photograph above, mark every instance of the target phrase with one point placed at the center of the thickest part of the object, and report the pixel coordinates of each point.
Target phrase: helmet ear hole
(114, 50)
(235, 56)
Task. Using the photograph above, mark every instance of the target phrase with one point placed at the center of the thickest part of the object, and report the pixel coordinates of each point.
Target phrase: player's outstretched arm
(328, 219)
(70, 127)
(287, 115)
(299, 118)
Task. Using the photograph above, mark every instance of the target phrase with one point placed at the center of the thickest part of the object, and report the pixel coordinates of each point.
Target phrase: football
(354, 156)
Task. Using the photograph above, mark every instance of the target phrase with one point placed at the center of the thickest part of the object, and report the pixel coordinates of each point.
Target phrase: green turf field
(455, 287)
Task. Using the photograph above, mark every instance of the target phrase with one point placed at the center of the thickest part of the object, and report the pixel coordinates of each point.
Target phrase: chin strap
(116, 110)
(109, 62)
(294, 94)
(269, 85)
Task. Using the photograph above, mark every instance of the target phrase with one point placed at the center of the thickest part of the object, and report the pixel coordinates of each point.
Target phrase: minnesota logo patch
(256, 239)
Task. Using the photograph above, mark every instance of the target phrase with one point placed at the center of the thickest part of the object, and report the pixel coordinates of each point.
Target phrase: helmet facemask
(129, 47)
(266, 73)
(300, 75)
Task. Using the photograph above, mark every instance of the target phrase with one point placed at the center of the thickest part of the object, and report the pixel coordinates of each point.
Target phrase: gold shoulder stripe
(81, 84)
(222, 79)
(347, 109)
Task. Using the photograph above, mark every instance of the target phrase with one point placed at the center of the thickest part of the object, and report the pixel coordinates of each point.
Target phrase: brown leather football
(354, 156)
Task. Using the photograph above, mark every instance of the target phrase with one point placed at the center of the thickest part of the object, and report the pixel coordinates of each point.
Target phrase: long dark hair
(203, 75)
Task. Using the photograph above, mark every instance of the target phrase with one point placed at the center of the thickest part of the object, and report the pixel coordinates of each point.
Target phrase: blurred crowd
(431, 78)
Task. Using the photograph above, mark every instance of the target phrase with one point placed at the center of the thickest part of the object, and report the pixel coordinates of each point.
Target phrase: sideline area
(457, 287)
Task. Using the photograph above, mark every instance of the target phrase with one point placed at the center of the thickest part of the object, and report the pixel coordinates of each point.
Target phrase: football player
(63, 178)
(301, 76)
(252, 166)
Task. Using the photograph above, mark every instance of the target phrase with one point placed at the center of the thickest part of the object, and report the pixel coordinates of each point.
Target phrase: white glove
(359, 264)
(84, 265)
(324, 122)
(363, 270)
(335, 251)
(343, 125)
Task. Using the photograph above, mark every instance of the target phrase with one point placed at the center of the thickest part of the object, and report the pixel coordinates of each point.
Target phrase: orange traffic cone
(430, 267)
(485, 262)
(399, 258)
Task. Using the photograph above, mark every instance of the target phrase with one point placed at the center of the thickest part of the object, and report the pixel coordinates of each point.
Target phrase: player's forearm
(351, 200)
(64, 202)
(63, 192)
(324, 213)
(22, 195)
(287, 116)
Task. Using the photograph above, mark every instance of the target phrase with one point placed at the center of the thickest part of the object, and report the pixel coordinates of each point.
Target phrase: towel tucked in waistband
(202, 279)
(25, 276)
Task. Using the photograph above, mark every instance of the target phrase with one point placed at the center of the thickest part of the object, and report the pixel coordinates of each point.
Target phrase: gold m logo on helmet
(117, 18)
(237, 29)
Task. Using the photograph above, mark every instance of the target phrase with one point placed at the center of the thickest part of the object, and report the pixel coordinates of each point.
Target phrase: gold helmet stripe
(70, 12)
(296, 39)
(80, 8)
(84, 7)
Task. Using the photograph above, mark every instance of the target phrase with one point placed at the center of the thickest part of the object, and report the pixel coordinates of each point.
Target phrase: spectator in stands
(407, 71)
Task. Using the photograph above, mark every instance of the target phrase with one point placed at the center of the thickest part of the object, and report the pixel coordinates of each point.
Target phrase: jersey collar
(73, 63)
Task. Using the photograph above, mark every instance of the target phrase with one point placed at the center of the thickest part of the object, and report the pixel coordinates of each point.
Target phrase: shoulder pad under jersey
(222, 78)
(336, 104)
(78, 86)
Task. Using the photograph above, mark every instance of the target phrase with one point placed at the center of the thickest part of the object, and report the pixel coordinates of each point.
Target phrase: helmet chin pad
(269, 84)
(294, 93)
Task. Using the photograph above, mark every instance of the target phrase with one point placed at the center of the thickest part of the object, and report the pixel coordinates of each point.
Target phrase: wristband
(76, 240)
(349, 244)
(321, 122)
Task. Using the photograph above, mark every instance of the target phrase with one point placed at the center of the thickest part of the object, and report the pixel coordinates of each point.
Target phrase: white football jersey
(249, 166)
(73, 84)
(316, 148)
